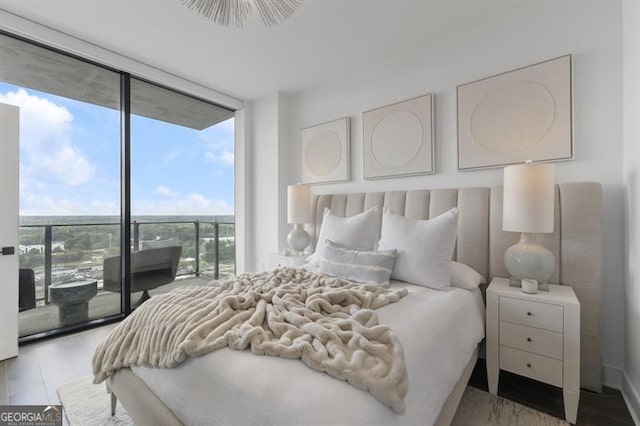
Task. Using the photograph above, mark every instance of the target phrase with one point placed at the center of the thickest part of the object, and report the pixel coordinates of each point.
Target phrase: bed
(440, 330)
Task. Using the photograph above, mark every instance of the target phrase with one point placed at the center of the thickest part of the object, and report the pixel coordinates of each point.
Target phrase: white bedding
(438, 329)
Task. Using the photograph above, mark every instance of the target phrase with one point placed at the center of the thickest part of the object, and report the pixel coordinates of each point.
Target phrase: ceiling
(323, 39)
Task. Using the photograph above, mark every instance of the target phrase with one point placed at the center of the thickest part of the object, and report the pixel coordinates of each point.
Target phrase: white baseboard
(616, 378)
(631, 396)
(612, 377)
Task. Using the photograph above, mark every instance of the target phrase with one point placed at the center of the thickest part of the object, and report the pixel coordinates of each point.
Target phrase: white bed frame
(576, 243)
(145, 408)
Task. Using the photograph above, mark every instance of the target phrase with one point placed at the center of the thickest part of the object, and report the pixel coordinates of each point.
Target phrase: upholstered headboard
(576, 241)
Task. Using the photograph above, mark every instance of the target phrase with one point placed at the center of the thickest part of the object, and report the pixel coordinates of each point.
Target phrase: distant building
(39, 248)
(32, 248)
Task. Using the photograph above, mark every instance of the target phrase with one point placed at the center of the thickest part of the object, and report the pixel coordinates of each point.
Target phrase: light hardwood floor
(34, 375)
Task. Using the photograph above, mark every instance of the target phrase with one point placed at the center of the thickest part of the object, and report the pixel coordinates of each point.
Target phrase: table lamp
(298, 213)
(528, 208)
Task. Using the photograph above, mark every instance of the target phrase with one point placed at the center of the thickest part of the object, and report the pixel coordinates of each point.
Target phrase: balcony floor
(104, 304)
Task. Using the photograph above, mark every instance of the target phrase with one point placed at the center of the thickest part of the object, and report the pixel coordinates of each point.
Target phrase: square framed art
(398, 139)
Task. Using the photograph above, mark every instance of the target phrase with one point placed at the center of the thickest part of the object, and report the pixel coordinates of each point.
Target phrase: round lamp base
(528, 259)
(298, 239)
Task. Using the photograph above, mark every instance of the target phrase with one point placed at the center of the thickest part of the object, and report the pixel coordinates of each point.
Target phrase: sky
(70, 161)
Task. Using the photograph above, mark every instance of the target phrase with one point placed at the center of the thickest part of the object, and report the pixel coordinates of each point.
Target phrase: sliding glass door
(69, 183)
(116, 174)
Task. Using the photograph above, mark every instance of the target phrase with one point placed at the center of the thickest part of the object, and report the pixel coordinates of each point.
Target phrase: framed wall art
(520, 115)
(325, 152)
(398, 139)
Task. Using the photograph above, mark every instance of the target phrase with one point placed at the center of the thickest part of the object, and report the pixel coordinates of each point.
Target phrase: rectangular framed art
(398, 139)
(325, 152)
(525, 114)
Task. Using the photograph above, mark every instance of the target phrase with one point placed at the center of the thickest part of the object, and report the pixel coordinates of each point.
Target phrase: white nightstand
(277, 260)
(537, 336)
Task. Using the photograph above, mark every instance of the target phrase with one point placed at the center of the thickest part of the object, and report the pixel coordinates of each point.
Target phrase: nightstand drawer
(532, 314)
(538, 341)
(537, 367)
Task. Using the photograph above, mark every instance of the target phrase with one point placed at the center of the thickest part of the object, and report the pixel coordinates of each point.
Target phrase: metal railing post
(48, 237)
(216, 229)
(197, 224)
(136, 236)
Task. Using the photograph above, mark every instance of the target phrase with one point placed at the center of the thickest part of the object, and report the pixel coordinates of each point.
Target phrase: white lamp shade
(298, 204)
(529, 194)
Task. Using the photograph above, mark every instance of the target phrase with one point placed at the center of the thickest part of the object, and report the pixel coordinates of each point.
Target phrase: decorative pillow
(357, 232)
(464, 276)
(356, 265)
(424, 248)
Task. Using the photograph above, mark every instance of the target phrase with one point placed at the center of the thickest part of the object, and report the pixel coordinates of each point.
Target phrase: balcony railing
(59, 255)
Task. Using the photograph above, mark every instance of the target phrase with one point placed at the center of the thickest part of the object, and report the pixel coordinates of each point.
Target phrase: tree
(209, 257)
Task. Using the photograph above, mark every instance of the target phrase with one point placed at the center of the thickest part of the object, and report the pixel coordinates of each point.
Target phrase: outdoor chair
(150, 268)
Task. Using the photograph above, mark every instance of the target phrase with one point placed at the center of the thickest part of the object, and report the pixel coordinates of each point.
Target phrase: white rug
(86, 404)
(480, 408)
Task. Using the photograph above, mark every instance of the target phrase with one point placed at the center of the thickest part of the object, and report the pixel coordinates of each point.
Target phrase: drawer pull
(528, 365)
(529, 313)
(528, 339)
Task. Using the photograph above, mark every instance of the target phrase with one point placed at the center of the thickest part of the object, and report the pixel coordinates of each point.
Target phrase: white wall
(631, 128)
(242, 190)
(590, 31)
(268, 169)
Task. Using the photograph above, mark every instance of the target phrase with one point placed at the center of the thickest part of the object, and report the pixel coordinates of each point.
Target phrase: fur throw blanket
(326, 322)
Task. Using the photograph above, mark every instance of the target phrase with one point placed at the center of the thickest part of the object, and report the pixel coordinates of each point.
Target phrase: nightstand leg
(571, 399)
(492, 377)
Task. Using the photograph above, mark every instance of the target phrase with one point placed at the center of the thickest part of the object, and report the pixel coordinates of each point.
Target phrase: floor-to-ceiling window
(72, 181)
(69, 182)
(182, 163)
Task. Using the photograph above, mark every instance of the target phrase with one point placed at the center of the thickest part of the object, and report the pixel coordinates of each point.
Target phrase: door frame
(9, 225)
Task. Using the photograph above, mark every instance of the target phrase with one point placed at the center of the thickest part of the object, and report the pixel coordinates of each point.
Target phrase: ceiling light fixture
(234, 12)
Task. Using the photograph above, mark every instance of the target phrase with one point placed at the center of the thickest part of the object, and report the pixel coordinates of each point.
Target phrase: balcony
(70, 252)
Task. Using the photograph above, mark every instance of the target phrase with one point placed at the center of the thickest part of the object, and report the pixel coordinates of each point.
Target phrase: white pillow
(466, 277)
(424, 248)
(362, 266)
(357, 232)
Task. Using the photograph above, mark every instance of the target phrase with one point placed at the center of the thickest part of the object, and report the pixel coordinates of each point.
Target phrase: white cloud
(172, 155)
(166, 191)
(229, 126)
(99, 207)
(191, 204)
(38, 205)
(225, 158)
(45, 141)
(219, 143)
